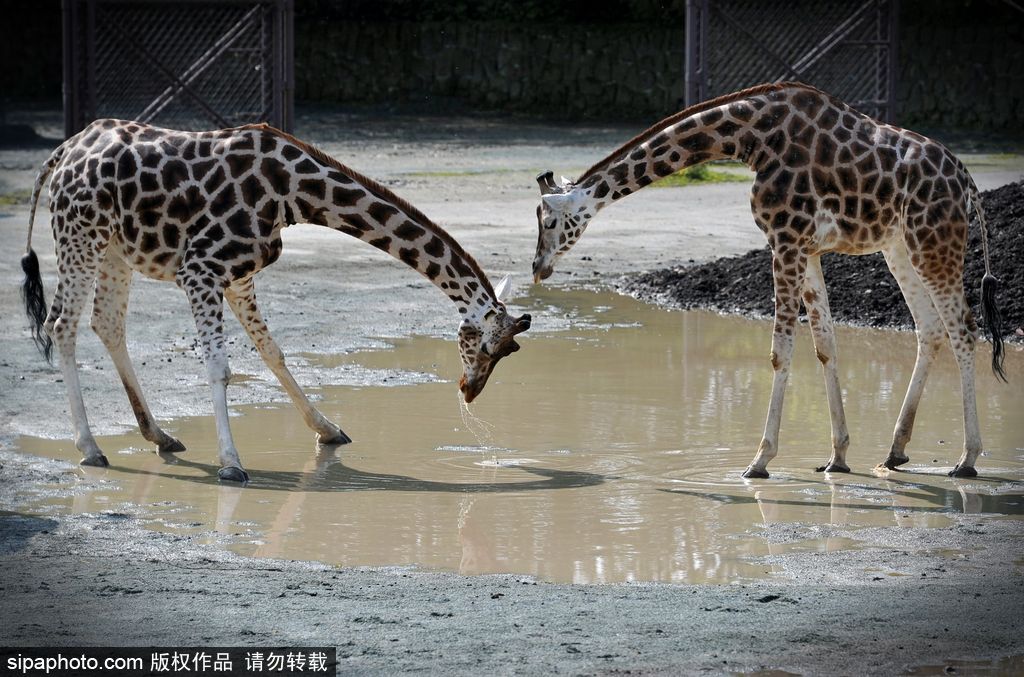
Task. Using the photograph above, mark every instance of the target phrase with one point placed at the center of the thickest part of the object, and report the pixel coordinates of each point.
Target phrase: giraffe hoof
(335, 440)
(96, 461)
(754, 473)
(233, 474)
(963, 471)
(832, 467)
(170, 446)
(894, 462)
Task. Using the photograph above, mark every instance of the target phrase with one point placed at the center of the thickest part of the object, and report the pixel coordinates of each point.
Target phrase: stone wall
(958, 68)
(962, 68)
(595, 71)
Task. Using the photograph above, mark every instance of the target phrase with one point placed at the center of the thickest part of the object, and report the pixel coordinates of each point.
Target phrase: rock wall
(963, 69)
(596, 71)
(957, 68)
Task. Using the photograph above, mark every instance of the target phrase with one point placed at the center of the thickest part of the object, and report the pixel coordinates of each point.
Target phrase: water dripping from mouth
(482, 430)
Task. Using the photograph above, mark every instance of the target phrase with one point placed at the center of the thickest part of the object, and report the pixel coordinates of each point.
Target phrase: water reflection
(892, 496)
(610, 451)
(326, 472)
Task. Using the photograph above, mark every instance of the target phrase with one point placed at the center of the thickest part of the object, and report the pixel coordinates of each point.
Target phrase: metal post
(88, 112)
(894, 59)
(696, 17)
(70, 81)
(288, 82)
(270, 39)
(281, 17)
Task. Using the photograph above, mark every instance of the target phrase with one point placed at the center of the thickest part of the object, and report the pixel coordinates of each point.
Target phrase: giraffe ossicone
(205, 210)
(503, 290)
(828, 179)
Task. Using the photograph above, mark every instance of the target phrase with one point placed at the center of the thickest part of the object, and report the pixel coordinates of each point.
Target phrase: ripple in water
(505, 462)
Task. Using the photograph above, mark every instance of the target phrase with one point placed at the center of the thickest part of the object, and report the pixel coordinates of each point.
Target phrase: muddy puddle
(609, 449)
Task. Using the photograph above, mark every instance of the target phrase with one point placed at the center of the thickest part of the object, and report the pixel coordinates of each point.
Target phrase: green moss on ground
(702, 174)
(18, 197)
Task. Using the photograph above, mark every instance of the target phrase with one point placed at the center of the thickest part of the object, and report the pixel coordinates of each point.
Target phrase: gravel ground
(105, 579)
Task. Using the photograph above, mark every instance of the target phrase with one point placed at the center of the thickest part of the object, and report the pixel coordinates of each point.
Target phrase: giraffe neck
(742, 128)
(346, 201)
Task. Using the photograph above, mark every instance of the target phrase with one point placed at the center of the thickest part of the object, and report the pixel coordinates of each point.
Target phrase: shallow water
(607, 451)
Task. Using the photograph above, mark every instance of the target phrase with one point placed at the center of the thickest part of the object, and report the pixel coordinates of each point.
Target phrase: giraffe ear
(566, 182)
(504, 289)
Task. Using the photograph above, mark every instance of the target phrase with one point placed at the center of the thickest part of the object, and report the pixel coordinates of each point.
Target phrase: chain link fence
(847, 48)
(185, 65)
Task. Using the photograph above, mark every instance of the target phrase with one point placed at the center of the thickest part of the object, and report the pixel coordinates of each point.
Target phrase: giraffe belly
(161, 250)
(834, 233)
(157, 264)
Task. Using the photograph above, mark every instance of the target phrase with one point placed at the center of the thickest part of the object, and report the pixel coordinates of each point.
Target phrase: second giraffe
(828, 179)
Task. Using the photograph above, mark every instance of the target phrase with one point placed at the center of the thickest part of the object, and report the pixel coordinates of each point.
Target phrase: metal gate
(188, 64)
(847, 48)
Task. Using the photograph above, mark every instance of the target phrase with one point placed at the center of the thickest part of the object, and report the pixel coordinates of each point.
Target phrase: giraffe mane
(687, 112)
(383, 193)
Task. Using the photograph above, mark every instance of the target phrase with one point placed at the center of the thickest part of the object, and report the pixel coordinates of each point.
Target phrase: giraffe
(828, 179)
(205, 210)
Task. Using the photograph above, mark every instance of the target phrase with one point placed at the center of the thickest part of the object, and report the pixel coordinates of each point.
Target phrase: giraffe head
(562, 216)
(485, 341)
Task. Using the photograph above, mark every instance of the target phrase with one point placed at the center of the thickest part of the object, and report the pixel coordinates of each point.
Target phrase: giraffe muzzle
(471, 388)
(472, 385)
(542, 271)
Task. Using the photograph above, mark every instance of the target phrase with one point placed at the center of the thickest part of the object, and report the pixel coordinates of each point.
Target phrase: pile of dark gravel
(860, 288)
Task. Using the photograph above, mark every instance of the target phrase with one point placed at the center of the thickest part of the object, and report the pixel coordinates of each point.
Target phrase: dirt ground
(106, 579)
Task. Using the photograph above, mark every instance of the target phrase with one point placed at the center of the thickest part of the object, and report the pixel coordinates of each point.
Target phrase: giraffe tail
(32, 286)
(992, 316)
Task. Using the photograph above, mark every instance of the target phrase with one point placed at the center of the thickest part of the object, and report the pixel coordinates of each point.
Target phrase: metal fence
(847, 48)
(188, 64)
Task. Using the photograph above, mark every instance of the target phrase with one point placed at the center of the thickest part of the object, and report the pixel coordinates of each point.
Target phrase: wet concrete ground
(104, 580)
(100, 577)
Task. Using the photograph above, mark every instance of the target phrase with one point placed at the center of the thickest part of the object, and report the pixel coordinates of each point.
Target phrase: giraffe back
(169, 201)
(835, 179)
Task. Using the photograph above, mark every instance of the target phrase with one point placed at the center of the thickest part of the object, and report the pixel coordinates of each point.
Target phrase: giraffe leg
(963, 335)
(108, 315)
(942, 276)
(207, 309)
(930, 335)
(962, 332)
(788, 284)
(822, 329)
(241, 297)
(76, 280)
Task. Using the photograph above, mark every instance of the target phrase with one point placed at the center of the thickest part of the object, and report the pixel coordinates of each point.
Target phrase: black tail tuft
(993, 323)
(35, 302)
